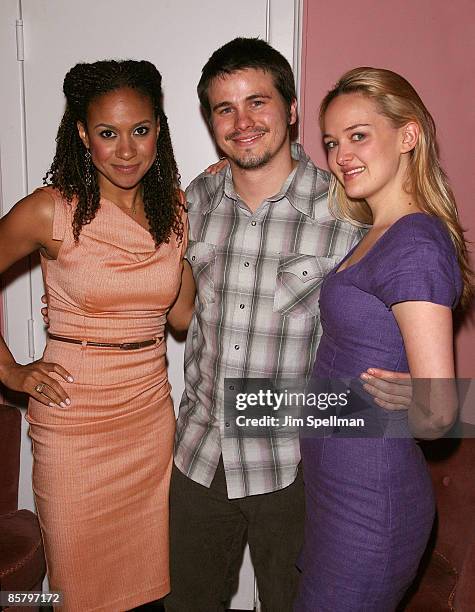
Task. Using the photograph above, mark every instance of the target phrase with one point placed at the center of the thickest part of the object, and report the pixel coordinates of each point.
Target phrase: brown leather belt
(123, 346)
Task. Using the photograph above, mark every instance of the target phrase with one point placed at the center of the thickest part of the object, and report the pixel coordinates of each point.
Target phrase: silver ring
(39, 387)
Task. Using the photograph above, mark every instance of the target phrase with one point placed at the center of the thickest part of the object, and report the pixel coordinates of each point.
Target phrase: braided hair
(69, 172)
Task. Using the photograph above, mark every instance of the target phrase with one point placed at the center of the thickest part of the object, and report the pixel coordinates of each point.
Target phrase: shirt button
(236, 346)
(241, 306)
(246, 264)
(253, 223)
(304, 273)
(226, 424)
(231, 387)
(193, 258)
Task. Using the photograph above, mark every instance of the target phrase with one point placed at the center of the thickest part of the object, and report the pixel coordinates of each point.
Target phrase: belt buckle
(130, 346)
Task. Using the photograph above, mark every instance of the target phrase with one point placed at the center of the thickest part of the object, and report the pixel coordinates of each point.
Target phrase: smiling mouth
(353, 172)
(246, 139)
(127, 169)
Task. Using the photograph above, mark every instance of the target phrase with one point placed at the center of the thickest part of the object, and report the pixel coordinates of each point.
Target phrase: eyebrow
(349, 128)
(113, 127)
(248, 98)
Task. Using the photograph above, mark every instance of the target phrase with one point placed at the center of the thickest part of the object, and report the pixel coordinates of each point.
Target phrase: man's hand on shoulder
(217, 166)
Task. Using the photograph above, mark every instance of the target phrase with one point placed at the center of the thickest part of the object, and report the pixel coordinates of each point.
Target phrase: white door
(178, 36)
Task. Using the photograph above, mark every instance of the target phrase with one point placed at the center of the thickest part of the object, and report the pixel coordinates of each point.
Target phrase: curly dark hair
(82, 85)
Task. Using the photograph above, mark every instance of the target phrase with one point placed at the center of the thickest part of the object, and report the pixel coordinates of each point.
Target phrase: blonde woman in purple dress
(369, 501)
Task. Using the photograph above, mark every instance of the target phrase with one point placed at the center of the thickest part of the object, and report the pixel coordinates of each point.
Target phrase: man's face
(249, 118)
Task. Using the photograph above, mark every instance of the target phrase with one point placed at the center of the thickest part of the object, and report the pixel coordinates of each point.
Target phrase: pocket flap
(306, 267)
(199, 252)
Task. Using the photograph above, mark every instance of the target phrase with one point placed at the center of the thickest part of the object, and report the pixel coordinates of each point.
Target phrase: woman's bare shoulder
(30, 219)
(38, 205)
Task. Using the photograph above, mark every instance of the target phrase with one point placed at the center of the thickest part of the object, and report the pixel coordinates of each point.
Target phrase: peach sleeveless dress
(102, 466)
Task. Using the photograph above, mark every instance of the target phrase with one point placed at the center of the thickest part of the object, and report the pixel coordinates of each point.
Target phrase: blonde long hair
(397, 100)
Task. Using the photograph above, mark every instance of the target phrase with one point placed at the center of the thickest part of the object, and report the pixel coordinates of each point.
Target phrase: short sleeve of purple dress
(369, 502)
(414, 260)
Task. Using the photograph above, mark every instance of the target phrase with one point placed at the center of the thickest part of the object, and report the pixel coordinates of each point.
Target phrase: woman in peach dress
(111, 230)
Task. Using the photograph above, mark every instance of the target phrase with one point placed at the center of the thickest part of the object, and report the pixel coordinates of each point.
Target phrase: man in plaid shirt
(261, 241)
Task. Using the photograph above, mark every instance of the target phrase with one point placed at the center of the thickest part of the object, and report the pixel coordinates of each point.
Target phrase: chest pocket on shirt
(202, 257)
(298, 283)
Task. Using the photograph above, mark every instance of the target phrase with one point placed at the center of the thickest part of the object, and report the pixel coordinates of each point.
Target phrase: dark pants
(208, 533)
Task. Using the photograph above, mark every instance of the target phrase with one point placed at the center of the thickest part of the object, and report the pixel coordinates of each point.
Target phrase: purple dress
(369, 501)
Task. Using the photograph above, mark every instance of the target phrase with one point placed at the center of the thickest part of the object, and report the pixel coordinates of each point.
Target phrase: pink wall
(432, 44)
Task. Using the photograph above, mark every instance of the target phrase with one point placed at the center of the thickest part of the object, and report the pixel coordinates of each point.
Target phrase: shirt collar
(304, 173)
(308, 186)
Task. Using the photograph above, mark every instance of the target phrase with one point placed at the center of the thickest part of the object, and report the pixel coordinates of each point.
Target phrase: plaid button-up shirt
(258, 278)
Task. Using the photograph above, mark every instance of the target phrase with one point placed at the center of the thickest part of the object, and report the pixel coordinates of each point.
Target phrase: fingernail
(67, 401)
(364, 376)
(370, 370)
(70, 379)
(51, 405)
(62, 404)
